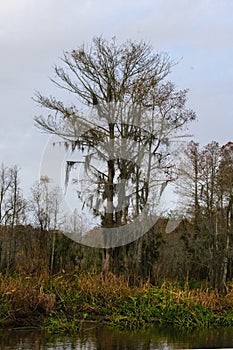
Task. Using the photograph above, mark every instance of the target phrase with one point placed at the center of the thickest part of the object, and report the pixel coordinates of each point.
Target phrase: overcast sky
(34, 34)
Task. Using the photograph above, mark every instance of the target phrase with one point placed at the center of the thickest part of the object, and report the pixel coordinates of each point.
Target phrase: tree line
(205, 181)
(200, 248)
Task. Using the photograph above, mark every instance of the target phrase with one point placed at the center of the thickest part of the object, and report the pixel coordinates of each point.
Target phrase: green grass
(62, 303)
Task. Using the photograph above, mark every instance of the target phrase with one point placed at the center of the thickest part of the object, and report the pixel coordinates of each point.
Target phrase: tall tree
(12, 209)
(135, 111)
(206, 180)
(5, 184)
(225, 194)
(45, 207)
(189, 179)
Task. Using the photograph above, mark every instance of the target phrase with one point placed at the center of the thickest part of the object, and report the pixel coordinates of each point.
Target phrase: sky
(35, 33)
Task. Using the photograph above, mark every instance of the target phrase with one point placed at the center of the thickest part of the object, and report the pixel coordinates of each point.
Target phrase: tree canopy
(125, 136)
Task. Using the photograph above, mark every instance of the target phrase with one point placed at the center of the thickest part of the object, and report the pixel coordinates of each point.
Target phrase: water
(101, 337)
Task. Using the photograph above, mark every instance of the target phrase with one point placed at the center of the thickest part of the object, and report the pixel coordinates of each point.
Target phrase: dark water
(104, 338)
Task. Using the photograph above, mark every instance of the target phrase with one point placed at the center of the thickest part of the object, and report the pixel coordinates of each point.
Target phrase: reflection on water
(100, 337)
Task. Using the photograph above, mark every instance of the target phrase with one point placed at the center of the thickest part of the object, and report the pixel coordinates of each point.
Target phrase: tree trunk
(109, 222)
(106, 261)
(222, 287)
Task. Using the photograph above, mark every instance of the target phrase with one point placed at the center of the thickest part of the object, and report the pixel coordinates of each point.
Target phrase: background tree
(131, 100)
(5, 184)
(17, 204)
(13, 209)
(189, 180)
(205, 180)
(45, 204)
(45, 207)
(12, 203)
(225, 194)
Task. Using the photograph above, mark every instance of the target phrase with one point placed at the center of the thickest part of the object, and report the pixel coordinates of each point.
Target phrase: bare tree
(17, 203)
(5, 184)
(44, 204)
(135, 112)
(12, 203)
(13, 208)
(45, 207)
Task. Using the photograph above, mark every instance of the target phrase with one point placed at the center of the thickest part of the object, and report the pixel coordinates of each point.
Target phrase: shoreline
(61, 303)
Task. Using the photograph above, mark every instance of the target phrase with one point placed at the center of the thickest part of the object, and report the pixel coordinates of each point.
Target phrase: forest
(199, 248)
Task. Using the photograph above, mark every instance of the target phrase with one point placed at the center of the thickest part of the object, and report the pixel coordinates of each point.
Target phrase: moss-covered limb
(61, 303)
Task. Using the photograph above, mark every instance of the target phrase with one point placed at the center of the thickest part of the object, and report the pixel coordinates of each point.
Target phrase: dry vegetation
(63, 302)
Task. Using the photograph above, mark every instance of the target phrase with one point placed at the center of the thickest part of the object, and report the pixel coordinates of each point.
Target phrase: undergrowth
(61, 303)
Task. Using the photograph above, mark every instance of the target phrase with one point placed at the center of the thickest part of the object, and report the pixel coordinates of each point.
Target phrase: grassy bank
(61, 303)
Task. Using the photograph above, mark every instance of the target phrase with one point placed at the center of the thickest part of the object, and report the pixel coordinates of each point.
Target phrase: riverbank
(61, 303)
